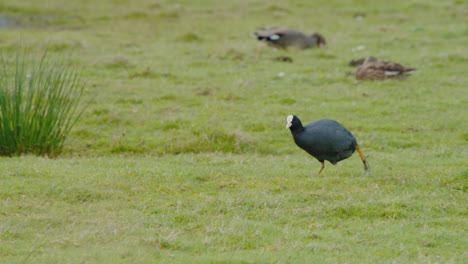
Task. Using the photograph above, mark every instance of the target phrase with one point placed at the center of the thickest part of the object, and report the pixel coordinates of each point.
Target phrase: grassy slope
(183, 156)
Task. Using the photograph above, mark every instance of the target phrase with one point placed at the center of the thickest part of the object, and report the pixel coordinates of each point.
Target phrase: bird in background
(372, 69)
(359, 62)
(282, 37)
(325, 139)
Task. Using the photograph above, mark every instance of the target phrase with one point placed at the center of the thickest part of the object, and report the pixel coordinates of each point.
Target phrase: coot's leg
(322, 167)
(366, 164)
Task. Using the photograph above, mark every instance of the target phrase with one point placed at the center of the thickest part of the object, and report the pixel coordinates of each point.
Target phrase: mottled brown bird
(373, 69)
(281, 37)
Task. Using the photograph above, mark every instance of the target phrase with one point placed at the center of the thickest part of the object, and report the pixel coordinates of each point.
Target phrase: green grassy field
(183, 157)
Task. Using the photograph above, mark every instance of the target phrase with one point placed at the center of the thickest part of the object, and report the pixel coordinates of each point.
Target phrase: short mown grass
(182, 155)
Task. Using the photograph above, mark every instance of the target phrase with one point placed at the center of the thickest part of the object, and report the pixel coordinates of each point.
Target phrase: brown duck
(281, 37)
(373, 69)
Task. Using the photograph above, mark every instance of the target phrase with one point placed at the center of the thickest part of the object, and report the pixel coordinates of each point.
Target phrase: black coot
(325, 139)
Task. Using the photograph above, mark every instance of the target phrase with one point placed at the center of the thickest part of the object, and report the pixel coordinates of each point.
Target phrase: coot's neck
(296, 127)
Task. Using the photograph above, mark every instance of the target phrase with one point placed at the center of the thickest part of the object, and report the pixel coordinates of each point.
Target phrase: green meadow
(182, 155)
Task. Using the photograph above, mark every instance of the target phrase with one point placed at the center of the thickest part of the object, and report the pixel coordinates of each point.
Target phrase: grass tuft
(38, 104)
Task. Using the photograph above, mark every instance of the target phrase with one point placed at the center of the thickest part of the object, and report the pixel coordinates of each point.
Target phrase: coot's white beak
(289, 120)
